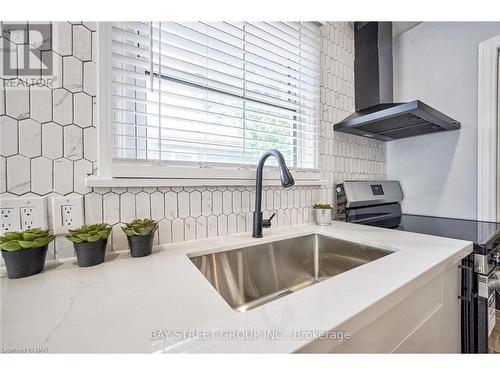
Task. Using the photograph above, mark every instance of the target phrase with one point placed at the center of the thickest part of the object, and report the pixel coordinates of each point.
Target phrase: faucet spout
(286, 181)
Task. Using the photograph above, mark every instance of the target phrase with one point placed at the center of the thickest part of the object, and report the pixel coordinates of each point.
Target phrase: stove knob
(495, 257)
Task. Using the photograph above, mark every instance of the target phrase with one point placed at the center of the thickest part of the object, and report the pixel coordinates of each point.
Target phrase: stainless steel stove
(378, 203)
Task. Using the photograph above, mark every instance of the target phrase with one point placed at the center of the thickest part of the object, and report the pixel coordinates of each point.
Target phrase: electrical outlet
(10, 220)
(68, 216)
(28, 218)
(67, 213)
(22, 213)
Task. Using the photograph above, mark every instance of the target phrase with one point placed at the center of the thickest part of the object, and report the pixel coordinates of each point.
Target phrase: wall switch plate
(67, 213)
(22, 213)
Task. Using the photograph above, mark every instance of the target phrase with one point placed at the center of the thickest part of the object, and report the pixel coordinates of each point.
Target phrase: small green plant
(140, 227)
(89, 233)
(29, 239)
(323, 205)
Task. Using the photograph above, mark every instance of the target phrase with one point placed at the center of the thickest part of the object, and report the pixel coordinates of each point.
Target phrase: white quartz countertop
(163, 303)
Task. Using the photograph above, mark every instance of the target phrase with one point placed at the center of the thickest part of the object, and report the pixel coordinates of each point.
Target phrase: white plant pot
(323, 216)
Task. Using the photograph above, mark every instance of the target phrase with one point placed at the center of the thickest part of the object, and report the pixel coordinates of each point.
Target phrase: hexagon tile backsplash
(48, 147)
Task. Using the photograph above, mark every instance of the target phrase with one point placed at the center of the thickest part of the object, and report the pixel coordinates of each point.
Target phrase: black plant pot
(141, 246)
(22, 263)
(90, 253)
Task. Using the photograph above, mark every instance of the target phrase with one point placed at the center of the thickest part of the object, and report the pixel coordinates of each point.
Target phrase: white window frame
(112, 173)
(488, 149)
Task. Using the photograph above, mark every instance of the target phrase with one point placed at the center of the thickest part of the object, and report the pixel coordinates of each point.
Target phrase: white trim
(158, 174)
(93, 181)
(164, 169)
(487, 150)
(146, 173)
(103, 98)
(114, 173)
(498, 140)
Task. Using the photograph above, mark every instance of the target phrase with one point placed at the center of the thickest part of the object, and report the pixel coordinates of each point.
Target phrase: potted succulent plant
(24, 252)
(323, 213)
(90, 243)
(140, 234)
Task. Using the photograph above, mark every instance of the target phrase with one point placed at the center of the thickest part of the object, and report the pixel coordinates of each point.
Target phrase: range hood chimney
(373, 64)
(376, 115)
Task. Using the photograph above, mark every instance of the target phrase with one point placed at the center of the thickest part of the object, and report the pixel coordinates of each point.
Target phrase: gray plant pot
(22, 263)
(141, 246)
(323, 216)
(89, 254)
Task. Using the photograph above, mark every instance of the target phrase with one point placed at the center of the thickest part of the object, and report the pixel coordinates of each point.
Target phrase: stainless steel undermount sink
(252, 276)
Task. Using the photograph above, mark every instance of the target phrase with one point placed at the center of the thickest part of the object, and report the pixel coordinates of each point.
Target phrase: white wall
(436, 62)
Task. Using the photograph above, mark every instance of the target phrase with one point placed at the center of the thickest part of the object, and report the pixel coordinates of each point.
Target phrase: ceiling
(399, 28)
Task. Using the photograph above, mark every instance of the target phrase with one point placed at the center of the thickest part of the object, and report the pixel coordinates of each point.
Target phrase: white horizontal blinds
(132, 126)
(216, 92)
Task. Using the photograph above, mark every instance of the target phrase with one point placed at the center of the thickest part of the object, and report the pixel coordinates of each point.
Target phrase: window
(213, 95)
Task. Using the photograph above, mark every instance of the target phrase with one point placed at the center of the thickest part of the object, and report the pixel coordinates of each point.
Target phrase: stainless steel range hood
(376, 115)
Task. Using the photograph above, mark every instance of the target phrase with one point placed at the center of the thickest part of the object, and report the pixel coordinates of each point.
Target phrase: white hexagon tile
(30, 138)
(49, 146)
(41, 175)
(82, 39)
(18, 174)
(62, 106)
(73, 142)
(63, 176)
(54, 60)
(9, 136)
(17, 100)
(41, 103)
(82, 109)
(2, 98)
(61, 38)
(52, 140)
(3, 174)
(90, 78)
(72, 74)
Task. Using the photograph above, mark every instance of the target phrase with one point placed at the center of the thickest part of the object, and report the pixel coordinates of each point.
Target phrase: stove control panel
(377, 189)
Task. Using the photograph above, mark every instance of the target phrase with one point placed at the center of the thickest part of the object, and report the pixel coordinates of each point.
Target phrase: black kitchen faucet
(286, 181)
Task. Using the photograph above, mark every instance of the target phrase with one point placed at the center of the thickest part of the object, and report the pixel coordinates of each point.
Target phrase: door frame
(488, 188)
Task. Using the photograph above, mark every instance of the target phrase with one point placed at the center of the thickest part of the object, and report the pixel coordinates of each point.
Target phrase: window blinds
(215, 92)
